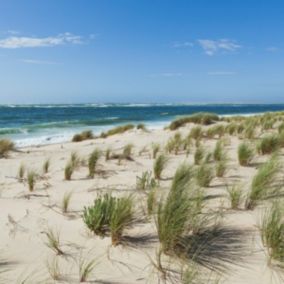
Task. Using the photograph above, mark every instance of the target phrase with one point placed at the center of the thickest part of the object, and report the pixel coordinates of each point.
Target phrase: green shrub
(198, 118)
(97, 217)
(204, 175)
(245, 154)
(6, 146)
(117, 130)
(263, 183)
(93, 161)
(272, 232)
(268, 144)
(121, 218)
(235, 195)
(85, 135)
(159, 166)
(199, 155)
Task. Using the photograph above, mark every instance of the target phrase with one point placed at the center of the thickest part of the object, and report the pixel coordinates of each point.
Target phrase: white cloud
(221, 73)
(14, 42)
(211, 47)
(178, 44)
(40, 62)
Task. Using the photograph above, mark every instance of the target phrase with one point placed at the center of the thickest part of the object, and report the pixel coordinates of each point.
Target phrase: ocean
(30, 125)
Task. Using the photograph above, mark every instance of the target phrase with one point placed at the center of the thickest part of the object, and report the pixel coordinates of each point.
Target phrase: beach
(27, 216)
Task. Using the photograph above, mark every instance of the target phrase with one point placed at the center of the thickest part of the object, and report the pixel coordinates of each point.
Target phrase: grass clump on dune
(145, 182)
(21, 172)
(155, 148)
(178, 215)
(86, 267)
(173, 214)
(70, 167)
(197, 118)
(263, 184)
(245, 154)
(221, 168)
(66, 201)
(199, 155)
(31, 178)
(117, 130)
(159, 165)
(93, 161)
(6, 146)
(268, 144)
(85, 135)
(272, 232)
(46, 166)
(109, 215)
(235, 195)
(204, 175)
(196, 133)
(219, 152)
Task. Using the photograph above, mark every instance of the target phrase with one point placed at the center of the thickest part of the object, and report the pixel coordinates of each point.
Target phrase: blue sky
(72, 51)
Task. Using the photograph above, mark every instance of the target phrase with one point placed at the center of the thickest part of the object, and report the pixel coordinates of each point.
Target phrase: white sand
(26, 216)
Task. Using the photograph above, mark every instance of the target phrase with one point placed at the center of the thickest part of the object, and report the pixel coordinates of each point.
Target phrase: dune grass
(235, 195)
(197, 118)
(93, 162)
(219, 151)
(70, 167)
(86, 269)
(121, 218)
(97, 217)
(221, 168)
(145, 182)
(66, 201)
(268, 144)
(178, 215)
(117, 130)
(85, 135)
(159, 166)
(31, 179)
(196, 133)
(21, 171)
(53, 269)
(199, 155)
(204, 175)
(6, 146)
(46, 166)
(127, 151)
(151, 201)
(141, 126)
(53, 241)
(155, 149)
(108, 154)
(263, 183)
(245, 154)
(272, 232)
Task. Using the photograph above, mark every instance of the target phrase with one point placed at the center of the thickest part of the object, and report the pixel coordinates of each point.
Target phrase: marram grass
(245, 154)
(159, 166)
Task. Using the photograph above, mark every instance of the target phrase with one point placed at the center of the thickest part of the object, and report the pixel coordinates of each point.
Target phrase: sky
(142, 51)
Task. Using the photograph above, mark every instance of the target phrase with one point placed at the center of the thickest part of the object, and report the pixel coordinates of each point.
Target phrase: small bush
(199, 155)
(198, 118)
(85, 135)
(155, 148)
(31, 177)
(93, 161)
(159, 165)
(121, 218)
(117, 130)
(204, 175)
(221, 168)
(245, 154)
(145, 182)
(46, 166)
(268, 144)
(272, 232)
(235, 195)
(97, 217)
(263, 182)
(6, 146)
(127, 151)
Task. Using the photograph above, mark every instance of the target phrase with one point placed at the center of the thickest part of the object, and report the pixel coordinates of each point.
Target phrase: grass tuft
(85, 269)
(159, 165)
(204, 175)
(263, 183)
(268, 144)
(31, 178)
(245, 154)
(117, 130)
(6, 146)
(46, 166)
(93, 161)
(53, 241)
(235, 195)
(85, 135)
(66, 201)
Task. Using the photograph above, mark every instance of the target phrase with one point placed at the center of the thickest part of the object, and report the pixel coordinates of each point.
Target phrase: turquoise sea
(44, 124)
